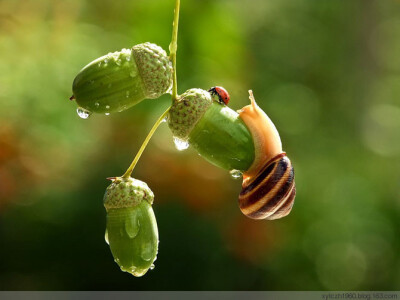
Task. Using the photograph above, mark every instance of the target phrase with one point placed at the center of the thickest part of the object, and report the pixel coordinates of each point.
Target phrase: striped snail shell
(268, 188)
(270, 194)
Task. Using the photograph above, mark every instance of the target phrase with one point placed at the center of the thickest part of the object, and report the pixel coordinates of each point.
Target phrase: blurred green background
(326, 72)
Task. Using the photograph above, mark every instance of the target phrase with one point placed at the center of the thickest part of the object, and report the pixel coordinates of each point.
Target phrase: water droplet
(106, 61)
(97, 104)
(164, 120)
(106, 237)
(139, 272)
(83, 113)
(235, 174)
(147, 251)
(107, 114)
(107, 106)
(152, 267)
(127, 94)
(181, 144)
(132, 226)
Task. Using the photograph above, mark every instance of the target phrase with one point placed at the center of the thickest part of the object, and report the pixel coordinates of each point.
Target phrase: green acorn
(131, 225)
(213, 129)
(119, 80)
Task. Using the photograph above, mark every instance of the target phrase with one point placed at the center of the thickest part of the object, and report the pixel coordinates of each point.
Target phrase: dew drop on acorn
(106, 238)
(147, 252)
(132, 227)
(235, 174)
(181, 144)
(83, 113)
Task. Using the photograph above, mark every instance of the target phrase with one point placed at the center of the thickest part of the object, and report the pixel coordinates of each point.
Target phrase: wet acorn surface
(133, 237)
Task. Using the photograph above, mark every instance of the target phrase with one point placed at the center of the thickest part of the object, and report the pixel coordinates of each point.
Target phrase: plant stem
(146, 141)
(172, 55)
(173, 48)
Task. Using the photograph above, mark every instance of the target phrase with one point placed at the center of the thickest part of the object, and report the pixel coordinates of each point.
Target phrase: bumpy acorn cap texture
(154, 67)
(187, 111)
(127, 192)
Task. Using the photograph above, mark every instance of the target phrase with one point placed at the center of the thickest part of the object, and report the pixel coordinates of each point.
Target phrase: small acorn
(131, 225)
(119, 80)
(213, 129)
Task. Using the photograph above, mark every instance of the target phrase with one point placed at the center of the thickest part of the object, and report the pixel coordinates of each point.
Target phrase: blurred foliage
(326, 72)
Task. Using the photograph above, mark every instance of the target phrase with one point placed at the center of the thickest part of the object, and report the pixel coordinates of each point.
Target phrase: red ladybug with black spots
(220, 94)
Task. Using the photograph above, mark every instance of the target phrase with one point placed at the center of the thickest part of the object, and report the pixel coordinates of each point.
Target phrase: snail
(246, 141)
(131, 225)
(119, 80)
(268, 188)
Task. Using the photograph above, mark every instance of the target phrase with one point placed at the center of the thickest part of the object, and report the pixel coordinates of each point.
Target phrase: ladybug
(220, 94)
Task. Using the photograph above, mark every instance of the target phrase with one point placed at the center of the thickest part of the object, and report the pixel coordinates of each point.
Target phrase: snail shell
(268, 188)
(270, 194)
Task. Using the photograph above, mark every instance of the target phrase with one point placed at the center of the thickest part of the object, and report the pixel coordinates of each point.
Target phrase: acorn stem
(173, 48)
(146, 141)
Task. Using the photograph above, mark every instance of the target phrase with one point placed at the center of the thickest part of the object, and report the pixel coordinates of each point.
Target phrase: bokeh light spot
(381, 129)
(294, 108)
(341, 266)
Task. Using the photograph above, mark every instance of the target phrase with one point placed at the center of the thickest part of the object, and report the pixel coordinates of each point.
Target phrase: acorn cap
(127, 192)
(154, 67)
(187, 111)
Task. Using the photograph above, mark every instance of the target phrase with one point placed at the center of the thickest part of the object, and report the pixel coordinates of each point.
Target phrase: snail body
(268, 188)
(119, 80)
(267, 142)
(247, 141)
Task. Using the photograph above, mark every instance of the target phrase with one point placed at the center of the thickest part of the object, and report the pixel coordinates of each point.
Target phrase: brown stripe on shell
(265, 183)
(286, 207)
(270, 195)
